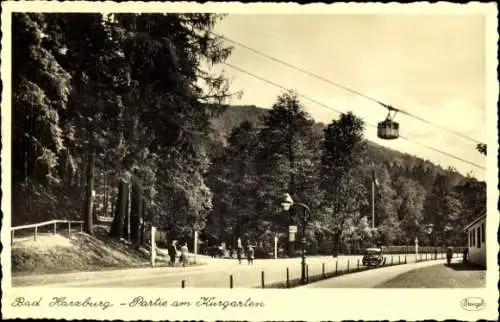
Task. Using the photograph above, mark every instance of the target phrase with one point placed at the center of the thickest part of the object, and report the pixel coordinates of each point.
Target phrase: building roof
(475, 221)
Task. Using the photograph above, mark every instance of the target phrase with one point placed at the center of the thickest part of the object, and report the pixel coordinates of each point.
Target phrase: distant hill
(406, 163)
(235, 115)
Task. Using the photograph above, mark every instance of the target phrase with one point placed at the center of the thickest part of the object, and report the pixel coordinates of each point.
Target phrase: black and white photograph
(248, 151)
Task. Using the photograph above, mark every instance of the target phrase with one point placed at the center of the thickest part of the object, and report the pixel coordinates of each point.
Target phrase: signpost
(275, 246)
(292, 231)
(416, 249)
(195, 246)
(153, 246)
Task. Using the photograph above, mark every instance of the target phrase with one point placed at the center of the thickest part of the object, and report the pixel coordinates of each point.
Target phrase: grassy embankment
(81, 252)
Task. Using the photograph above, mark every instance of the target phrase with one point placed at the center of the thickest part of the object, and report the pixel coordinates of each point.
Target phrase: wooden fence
(48, 226)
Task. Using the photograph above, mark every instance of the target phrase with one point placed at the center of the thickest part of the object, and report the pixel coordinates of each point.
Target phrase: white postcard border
(292, 304)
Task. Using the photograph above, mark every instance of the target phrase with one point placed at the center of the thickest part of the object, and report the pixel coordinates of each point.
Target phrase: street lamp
(287, 204)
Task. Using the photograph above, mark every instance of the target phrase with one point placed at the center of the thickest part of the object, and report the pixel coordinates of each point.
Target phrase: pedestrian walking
(172, 252)
(184, 254)
(250, 255)
(465, 255)
(449, 255)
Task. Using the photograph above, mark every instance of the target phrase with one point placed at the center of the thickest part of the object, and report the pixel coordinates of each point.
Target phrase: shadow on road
(465, 267)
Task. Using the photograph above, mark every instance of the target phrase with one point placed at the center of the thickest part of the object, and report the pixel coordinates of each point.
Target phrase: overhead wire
(280, 86)
(388, 106)
(444, 153)
(335, 110)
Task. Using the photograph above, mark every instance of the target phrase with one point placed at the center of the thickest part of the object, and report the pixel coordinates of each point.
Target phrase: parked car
(214, 251)
(373, 257)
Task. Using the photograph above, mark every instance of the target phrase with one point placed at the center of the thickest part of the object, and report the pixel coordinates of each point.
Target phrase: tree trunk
(143, 226)
(64, 164)
(336, 243)
(291, 156)
(111, 197)
(26, 145)
(126, 224)
(95, 212)
(106, 193)
(88, 216)
(221, 228)
(71, 175)
(120, 211)
(136, 214)
(82, 177)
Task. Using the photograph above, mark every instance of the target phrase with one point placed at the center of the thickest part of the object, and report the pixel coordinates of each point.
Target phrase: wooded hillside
(414, 197)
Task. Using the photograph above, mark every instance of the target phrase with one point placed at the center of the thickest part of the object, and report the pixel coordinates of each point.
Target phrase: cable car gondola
(388, 129)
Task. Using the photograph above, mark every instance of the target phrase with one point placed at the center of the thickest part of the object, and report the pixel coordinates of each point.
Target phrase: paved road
(214, 274)
(370, 278)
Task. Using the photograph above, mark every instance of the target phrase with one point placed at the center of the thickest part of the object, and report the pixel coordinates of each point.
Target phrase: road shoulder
(371, 278)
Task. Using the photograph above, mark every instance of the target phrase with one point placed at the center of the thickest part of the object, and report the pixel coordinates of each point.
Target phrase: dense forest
(117, 116)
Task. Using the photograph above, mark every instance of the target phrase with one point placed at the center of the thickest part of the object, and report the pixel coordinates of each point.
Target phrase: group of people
(449, 255)
(250, 254)
(172, 254)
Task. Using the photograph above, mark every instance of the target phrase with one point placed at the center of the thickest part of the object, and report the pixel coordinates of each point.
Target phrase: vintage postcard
(230, 161)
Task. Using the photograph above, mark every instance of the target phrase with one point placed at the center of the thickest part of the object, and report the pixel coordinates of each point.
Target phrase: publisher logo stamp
(472, 303)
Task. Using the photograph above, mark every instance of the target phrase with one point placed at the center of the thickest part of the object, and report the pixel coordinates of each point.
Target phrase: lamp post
(429, 229)
(287, 204)
(374, 185)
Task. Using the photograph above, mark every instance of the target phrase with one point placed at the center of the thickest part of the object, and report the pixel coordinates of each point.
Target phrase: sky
(432, 66)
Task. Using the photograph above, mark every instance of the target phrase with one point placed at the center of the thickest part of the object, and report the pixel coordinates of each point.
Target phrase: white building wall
(477, 248)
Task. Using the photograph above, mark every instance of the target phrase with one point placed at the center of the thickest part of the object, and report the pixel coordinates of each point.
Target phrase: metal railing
(320, 271)
(50, 223)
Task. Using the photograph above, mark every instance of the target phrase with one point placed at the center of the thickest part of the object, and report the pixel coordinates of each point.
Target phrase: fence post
(307, 273)
(36, 231)
(425, 255)
(230, 281)
(183, 284)
(81, 227)
(287, 278)
(358, 264)
(323, 270)
(336, 268)
(55, 227)
(262, 279)
(392, 261)
(69, 228)
(405, 258)
(348, 265)
(153, 246)
(399, 259)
